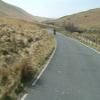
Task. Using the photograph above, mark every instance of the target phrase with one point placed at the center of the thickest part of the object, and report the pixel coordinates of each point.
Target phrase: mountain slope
(11, 11)
(90, 18)
(84, 26)
(8, 10)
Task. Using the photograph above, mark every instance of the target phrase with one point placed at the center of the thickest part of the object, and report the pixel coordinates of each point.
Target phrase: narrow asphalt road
(73, 74)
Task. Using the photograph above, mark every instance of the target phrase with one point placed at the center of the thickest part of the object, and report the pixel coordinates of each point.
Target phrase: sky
(55, 8)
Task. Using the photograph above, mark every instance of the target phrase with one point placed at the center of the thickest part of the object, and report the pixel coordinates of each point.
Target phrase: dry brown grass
(24, 47)
(86, 19)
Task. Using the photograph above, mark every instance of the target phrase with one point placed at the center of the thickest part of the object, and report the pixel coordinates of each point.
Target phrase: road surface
(73, 74)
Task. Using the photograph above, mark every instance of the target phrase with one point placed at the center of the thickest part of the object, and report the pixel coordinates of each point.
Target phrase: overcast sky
(55, 8)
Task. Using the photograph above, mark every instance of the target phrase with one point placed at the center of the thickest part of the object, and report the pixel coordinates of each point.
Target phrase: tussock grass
(24, 47)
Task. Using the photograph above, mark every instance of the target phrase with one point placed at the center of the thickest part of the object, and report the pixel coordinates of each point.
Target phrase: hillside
(90, 18)
(8, 10)
(84, 26)
(24, 48)
(42, 19)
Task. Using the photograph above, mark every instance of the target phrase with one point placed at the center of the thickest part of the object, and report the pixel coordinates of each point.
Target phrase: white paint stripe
(81, 43)
(89, 47)
(46, 65)
(23, 98)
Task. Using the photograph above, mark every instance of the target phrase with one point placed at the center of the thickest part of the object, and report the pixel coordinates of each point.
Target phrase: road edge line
(81, 43)
(45, 66)
(25, 95)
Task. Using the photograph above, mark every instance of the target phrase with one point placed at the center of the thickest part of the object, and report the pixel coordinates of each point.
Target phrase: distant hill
(8, 10)
(90, 18)
(42, 19)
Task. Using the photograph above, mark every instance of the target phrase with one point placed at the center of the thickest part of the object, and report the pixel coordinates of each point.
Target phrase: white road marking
(46, 65)
(23, 98)
(81, 43)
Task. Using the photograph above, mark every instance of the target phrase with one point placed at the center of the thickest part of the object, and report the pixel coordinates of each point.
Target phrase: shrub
(72, 28)
(6, 98)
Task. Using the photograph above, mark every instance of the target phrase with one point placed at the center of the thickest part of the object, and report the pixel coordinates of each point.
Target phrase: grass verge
(24, 48)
